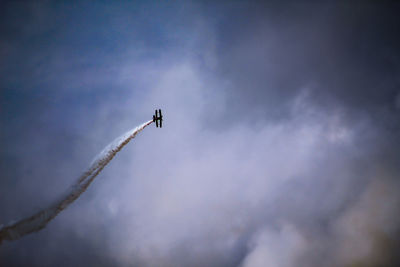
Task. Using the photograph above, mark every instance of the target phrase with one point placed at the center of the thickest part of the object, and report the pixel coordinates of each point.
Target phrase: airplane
(158, 118)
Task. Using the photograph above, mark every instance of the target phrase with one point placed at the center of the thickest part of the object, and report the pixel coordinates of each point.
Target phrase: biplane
(157, 118)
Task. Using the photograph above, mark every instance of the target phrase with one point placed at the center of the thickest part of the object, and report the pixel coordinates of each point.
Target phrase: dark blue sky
(280, 145)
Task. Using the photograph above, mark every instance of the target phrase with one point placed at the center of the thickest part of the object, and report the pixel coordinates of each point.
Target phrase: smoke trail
(38, 221)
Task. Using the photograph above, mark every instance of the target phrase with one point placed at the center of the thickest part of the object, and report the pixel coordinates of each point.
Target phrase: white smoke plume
(38, 221)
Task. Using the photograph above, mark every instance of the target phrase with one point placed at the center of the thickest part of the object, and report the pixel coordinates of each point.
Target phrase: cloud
(277, 148)
(275, 248)
(366, 233)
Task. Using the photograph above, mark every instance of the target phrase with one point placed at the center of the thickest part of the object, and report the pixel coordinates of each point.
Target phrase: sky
(279, 147)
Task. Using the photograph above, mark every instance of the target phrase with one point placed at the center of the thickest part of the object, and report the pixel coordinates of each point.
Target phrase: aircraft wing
(160, 116)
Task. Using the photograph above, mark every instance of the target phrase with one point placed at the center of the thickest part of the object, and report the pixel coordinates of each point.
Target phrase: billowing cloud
(279, 148)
